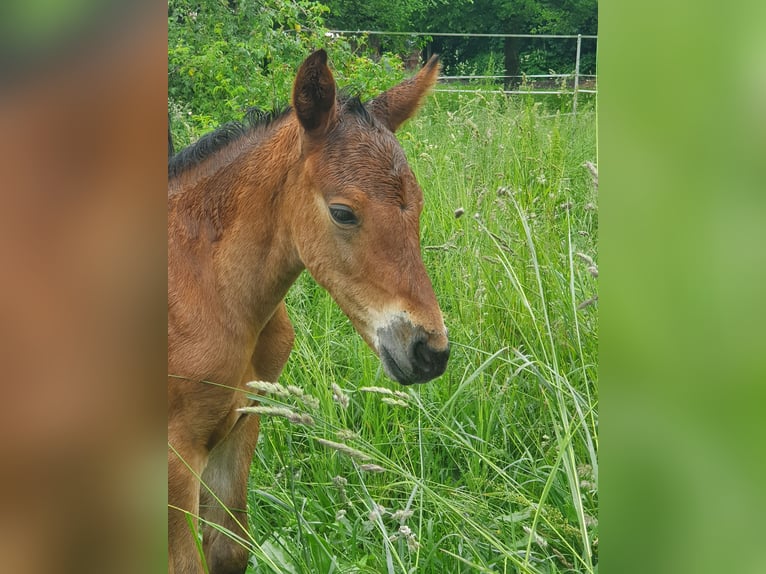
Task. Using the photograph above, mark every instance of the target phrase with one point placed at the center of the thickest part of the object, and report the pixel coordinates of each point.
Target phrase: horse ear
(314, 94)
(398, 104)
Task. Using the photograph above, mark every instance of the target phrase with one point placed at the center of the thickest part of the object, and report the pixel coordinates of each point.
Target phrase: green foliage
(225, 57)
(390, 15)
(484, 64)
(381, 15)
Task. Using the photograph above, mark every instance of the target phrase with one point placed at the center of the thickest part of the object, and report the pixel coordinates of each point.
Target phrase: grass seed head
(284, 412)
(587, 303)
(295, 391)
(402, 515)
(343, 448)
(584, 471)
(394, 402)
(378, 511)
(406, 534)
(310, 402)
(346, 434)
(339, 481)
(593, 172)
(340, 397)
(539, 540)
(268, 388)
(371, 468)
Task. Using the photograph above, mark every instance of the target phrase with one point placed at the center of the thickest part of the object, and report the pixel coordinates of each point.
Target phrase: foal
(325, 187)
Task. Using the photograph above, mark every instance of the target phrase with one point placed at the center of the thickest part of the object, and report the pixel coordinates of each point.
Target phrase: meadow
(492, 467)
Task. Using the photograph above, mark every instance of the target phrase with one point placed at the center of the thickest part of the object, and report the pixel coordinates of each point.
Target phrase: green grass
(492, 467)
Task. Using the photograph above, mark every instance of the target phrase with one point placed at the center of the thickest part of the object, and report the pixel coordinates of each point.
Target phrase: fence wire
(575, 77)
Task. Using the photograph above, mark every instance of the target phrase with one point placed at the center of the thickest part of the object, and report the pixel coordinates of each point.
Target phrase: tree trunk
(512, 64)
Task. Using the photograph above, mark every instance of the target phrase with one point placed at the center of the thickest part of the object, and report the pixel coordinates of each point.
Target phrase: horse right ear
(314, 94)
(394, 106)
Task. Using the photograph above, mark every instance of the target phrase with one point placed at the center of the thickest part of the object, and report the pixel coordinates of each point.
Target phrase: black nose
(427, 362)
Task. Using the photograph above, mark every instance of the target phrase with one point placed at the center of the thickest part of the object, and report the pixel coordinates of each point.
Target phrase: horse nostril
(422, 353)
(431, 362)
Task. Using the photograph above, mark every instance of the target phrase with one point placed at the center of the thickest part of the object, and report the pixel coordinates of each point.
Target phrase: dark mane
(224, 135)
(254, 119)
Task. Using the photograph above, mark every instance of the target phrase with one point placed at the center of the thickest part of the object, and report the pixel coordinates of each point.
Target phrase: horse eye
(343, 215)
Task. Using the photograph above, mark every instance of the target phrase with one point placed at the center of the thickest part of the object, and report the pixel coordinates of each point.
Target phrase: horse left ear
(314, 94)
(398, 104)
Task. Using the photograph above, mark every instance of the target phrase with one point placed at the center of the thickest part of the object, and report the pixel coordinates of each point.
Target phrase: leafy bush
(227, 56)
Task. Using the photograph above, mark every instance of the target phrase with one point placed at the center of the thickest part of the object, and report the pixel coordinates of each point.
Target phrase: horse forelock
(352, 105)
(363, 152)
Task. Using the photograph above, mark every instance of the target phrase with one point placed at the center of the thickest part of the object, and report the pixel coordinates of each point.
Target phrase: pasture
(493, 466)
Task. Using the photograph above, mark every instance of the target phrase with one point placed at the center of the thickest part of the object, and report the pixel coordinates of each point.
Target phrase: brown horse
(324, 186)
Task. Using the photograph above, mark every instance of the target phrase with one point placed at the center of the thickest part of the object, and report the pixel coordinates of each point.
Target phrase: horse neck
(253, 257)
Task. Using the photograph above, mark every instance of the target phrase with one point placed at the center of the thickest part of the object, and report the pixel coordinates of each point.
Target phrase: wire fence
(573, 84)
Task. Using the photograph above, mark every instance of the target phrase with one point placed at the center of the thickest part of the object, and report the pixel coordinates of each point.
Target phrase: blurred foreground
(82, 253)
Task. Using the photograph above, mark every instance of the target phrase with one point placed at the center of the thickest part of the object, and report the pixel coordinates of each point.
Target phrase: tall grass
(493, 467)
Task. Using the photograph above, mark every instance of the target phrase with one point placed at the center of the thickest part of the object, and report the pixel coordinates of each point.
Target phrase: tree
(382, 15)
(392, 15)
(510, 17)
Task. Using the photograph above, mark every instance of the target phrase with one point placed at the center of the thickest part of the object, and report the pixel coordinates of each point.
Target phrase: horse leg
(226, 506)
(197, 413)
(184, 466)
(229, 464)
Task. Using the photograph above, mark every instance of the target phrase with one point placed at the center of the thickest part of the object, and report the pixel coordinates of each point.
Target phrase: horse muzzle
(410, 354)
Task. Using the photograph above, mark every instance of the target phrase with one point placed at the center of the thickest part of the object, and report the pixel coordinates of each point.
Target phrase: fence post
(577, 75)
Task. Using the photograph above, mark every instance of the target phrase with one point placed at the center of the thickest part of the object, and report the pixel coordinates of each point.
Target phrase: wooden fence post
(577, 75)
